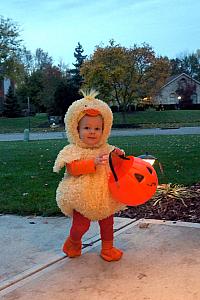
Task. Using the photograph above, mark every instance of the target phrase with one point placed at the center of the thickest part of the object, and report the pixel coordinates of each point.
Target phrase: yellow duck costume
(87, 194)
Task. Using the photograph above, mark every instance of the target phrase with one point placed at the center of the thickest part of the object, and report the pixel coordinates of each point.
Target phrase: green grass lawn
(142, 119)
(37, 123)
(167, 118)
(28, 184)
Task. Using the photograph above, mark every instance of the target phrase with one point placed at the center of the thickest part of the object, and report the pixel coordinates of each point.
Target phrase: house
(4, 86)
(181, 91)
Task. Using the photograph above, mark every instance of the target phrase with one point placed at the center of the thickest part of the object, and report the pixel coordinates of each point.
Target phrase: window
(172, 98)
(194, 98)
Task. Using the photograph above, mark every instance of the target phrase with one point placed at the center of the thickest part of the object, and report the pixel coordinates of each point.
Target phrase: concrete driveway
(161, 261)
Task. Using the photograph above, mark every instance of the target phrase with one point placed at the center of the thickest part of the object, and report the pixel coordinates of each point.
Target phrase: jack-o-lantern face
(134, 182)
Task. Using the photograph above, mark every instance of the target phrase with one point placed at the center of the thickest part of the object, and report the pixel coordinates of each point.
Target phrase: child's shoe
(110, 253)
(72, 248)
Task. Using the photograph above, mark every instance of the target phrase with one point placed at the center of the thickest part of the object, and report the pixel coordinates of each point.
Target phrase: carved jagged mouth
(151, 184)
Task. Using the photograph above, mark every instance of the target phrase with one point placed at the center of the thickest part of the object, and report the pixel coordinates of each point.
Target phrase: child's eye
(97, 128)
(86, 127)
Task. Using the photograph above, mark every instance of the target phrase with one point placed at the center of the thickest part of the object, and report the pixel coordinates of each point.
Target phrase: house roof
(173, 78)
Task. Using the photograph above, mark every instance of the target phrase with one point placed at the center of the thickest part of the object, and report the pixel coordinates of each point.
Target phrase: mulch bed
(174, 203)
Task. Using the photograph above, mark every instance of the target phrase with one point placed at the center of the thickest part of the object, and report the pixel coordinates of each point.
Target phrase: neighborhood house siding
(197, 96)
(169, 93)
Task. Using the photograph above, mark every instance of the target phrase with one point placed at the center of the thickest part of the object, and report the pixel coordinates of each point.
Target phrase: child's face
(90, 129)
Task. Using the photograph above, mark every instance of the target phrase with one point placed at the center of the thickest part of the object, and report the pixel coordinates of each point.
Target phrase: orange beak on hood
(90, 112)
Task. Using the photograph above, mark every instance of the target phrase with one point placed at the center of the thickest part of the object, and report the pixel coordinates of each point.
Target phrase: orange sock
(72, 248)
(110, 253)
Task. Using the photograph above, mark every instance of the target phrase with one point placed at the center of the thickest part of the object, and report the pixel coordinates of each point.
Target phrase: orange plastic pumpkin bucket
(132, 181)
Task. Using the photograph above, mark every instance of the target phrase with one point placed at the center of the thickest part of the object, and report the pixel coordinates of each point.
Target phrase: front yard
(28, 184)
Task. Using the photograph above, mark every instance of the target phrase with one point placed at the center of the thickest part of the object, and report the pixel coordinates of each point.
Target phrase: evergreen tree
(68, 90)
(11, 106)
(64, 95)
(76, 76)
(78, 55)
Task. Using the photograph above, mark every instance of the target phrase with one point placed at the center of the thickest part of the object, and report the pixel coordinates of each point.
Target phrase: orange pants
(81, 224)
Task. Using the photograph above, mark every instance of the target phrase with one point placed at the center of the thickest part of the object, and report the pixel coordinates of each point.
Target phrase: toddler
(83, 193)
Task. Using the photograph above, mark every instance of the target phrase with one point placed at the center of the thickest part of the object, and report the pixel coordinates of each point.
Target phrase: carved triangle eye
(150, 170)
(139, 177)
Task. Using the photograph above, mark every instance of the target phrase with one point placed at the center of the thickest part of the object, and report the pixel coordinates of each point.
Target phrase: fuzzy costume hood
(77, 108)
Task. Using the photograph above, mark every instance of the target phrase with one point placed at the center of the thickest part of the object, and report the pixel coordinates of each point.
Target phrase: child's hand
(118, 151)
(101, 159)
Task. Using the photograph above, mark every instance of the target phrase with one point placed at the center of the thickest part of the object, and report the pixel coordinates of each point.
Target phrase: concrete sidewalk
(115, 132)
(29, 244)
(161, 261)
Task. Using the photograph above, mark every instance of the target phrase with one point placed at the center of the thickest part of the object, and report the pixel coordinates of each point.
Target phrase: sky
(171, 28)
